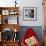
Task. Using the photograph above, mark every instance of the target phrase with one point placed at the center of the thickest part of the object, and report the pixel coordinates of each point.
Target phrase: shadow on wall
(37, 29)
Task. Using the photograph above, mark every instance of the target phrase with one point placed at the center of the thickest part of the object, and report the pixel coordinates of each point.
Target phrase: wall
(38, 5)
(27, 3)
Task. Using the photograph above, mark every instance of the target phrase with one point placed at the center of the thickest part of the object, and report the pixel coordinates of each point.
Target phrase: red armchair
(28, 34)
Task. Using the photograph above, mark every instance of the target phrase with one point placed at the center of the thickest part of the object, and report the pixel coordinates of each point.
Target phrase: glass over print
(29, 13)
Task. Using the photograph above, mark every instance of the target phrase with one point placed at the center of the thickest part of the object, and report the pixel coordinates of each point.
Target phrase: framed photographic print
(12, 20)
(30, 13)
(5, 12)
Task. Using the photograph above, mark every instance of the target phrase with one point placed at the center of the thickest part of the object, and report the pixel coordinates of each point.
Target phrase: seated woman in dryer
(30, 39)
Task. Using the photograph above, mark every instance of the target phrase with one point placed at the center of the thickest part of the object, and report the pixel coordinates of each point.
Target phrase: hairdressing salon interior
(22, 22)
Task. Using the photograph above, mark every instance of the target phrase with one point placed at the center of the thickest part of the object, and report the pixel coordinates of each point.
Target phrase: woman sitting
(30, 38)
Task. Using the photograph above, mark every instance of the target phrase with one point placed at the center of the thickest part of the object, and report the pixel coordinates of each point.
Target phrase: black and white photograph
(29, 13)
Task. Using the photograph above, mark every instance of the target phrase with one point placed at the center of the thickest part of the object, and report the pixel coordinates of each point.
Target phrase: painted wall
(38, 5)
(26, 3)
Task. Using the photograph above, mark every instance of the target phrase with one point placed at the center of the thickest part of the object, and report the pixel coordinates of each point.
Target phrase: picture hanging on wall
(30, 13)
